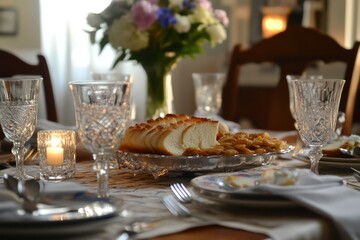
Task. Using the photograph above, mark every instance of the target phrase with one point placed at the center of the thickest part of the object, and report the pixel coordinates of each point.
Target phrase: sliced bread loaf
(171, 135)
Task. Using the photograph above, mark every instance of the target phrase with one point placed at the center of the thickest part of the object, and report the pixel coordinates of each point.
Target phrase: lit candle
(55, 153)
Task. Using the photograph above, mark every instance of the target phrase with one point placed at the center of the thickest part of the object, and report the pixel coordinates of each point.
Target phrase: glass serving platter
(159, 165)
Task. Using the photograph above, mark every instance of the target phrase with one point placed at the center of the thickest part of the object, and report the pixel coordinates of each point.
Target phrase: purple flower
(144, 14)
(166, 17)
(186, 4)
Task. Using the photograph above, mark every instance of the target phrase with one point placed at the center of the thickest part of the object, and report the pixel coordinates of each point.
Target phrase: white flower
(124, 34)
(94, 20)
(217, 33)
(182, 24)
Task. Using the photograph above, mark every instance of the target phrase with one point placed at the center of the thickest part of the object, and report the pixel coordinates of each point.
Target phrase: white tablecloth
(141, 196)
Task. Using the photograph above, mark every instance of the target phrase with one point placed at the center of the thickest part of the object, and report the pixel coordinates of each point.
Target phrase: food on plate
(183, 135)
(241, 143)
(333, 149)
(281, 177)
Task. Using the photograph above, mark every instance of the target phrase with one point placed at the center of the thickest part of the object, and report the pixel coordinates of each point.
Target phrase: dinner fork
(181, 192)
(175, 207)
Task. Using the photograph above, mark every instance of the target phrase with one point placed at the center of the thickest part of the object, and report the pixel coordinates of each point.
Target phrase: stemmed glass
(290, 79)
(118, 77)
(101, 112)
(19, 110)
(316, 107)
(208, 92)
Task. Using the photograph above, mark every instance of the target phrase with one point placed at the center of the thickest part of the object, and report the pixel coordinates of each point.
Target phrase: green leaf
(103, 42)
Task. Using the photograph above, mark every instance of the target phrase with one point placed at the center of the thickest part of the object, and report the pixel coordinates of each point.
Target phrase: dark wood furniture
(292, 51)
(12, 65)
(213, 232)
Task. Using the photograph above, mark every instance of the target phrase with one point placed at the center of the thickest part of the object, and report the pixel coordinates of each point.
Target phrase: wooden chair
(12, 65)
(292, 51)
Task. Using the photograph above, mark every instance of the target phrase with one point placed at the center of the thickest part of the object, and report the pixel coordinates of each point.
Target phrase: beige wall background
(27, 41)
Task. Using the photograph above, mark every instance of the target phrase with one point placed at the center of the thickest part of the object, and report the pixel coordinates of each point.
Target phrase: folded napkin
(326, 196)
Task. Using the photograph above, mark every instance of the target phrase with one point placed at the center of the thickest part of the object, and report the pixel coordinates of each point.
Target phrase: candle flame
(55, 142)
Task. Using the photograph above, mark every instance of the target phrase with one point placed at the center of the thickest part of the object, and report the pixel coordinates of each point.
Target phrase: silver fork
(175, 207)
(181, 192)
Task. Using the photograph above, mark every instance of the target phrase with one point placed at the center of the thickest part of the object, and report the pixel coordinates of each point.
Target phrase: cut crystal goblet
(316, 107)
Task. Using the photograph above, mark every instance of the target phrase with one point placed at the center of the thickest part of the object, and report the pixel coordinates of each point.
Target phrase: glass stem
(101, 166)
(19, 151)
(315, 155)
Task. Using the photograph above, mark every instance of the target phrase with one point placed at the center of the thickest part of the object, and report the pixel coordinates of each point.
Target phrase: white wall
(27, 41)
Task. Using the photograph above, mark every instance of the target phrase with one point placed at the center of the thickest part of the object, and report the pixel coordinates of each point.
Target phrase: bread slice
(171, 140)
(332, 150)
(201, 135)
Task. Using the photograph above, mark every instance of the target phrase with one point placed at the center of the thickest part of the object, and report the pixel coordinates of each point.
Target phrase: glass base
(25, 177)
(56, 176)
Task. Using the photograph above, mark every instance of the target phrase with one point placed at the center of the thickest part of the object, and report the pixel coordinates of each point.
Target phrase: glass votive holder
(57, 152)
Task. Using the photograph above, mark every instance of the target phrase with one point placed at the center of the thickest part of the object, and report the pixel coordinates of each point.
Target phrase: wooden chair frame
(292, 51)
(12, 65)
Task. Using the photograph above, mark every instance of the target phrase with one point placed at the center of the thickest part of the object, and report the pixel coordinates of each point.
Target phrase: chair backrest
(292, 51)
(12, 65)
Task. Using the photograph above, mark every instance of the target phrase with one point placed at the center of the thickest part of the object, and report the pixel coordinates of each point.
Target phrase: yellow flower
(124, 34)
(201, 15)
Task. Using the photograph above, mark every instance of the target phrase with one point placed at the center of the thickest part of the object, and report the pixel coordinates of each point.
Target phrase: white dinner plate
(333, 162)
(212, 189)
(89, 218)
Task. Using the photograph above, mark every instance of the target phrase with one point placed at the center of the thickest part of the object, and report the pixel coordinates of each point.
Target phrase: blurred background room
(58, 30)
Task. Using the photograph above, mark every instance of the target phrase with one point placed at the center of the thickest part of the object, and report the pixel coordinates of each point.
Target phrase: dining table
(138, 195)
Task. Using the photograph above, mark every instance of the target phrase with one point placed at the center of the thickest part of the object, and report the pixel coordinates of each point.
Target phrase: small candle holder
(57, 150)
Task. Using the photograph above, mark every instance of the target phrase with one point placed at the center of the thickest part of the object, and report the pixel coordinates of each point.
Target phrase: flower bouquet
(156, 33)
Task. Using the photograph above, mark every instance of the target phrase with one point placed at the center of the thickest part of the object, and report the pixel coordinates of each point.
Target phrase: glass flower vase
(160, 99)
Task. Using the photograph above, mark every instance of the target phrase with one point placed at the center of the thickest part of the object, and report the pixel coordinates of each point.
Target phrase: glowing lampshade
(274, 20)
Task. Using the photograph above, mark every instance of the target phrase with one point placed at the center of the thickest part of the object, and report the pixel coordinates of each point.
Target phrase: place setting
(341, 152)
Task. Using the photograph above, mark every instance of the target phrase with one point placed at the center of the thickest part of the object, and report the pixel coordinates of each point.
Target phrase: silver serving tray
(159, 165)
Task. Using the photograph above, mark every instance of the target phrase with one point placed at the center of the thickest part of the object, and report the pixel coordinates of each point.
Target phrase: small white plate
(229, 204)
(211, 190)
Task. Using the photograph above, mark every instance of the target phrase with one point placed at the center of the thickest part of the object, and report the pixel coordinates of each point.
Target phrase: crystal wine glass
(19, 110)
(316, 106)
(290, 79)
(208, 92)
(118, 77)
(101, 116)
